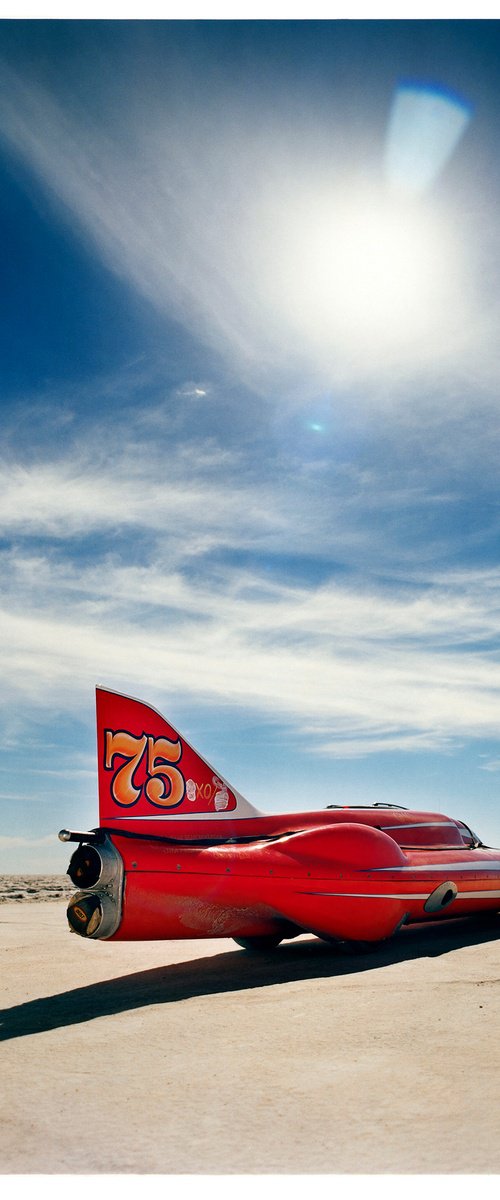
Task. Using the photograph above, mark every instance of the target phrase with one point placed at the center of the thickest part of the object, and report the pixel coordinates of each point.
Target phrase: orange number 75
(164, 785)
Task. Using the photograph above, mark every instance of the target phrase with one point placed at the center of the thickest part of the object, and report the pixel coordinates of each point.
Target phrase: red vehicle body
(180, 854)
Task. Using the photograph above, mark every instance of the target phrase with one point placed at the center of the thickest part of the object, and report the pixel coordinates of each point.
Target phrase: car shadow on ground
(237, 970)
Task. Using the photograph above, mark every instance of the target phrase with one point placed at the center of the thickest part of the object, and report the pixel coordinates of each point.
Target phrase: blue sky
(250, 418)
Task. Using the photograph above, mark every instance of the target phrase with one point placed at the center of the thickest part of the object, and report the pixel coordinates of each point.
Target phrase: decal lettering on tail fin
(146, 769)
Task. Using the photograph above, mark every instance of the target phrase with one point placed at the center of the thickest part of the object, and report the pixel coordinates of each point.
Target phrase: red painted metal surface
(346, 881)
(196, 860)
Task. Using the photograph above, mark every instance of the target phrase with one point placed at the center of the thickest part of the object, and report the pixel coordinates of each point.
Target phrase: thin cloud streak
(197, 498)
(365, 666)
(409, 663)
(12, 842)
(362, 672)
(447, 612)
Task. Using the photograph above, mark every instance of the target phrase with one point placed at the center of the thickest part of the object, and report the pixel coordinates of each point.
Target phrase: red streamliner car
(180, 854)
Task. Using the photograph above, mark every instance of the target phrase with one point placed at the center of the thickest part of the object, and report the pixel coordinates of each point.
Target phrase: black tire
(267, 941)
(351, 947)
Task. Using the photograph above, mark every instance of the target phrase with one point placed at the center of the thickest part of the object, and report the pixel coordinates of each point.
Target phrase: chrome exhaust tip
(84, 914)
(93, 914)
(97, 871)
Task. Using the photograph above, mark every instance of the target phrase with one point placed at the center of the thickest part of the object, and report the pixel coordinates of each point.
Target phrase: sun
(379, 276)
(370, 272)
(363, 274)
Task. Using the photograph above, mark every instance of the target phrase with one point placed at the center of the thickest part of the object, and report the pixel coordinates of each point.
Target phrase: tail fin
(149, 773)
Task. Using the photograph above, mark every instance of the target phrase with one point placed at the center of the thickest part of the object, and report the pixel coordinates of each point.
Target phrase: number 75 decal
(164, 785)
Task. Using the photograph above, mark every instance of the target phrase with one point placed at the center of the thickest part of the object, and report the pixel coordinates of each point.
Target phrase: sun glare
(380, 276)
(363, 274)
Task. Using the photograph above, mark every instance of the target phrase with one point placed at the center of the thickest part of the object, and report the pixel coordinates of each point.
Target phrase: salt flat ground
(198, 1058)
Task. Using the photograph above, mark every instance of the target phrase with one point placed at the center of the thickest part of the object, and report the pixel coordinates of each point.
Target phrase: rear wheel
(351, 947)
(267, 941)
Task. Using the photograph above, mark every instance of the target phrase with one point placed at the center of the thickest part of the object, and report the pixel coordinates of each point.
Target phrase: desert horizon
(34, 888)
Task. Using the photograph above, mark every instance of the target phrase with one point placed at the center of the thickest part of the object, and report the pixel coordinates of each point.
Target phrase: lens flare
(425, 126)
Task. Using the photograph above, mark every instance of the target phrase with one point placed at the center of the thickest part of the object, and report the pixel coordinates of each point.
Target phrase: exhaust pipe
(96, 869)
(441, 897)
(95, 864)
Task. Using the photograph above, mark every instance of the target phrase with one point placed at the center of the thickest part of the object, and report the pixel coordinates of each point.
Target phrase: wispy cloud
(23, 854)
(361, 670)
(126, 568)
(493, 765)
(195, 494)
